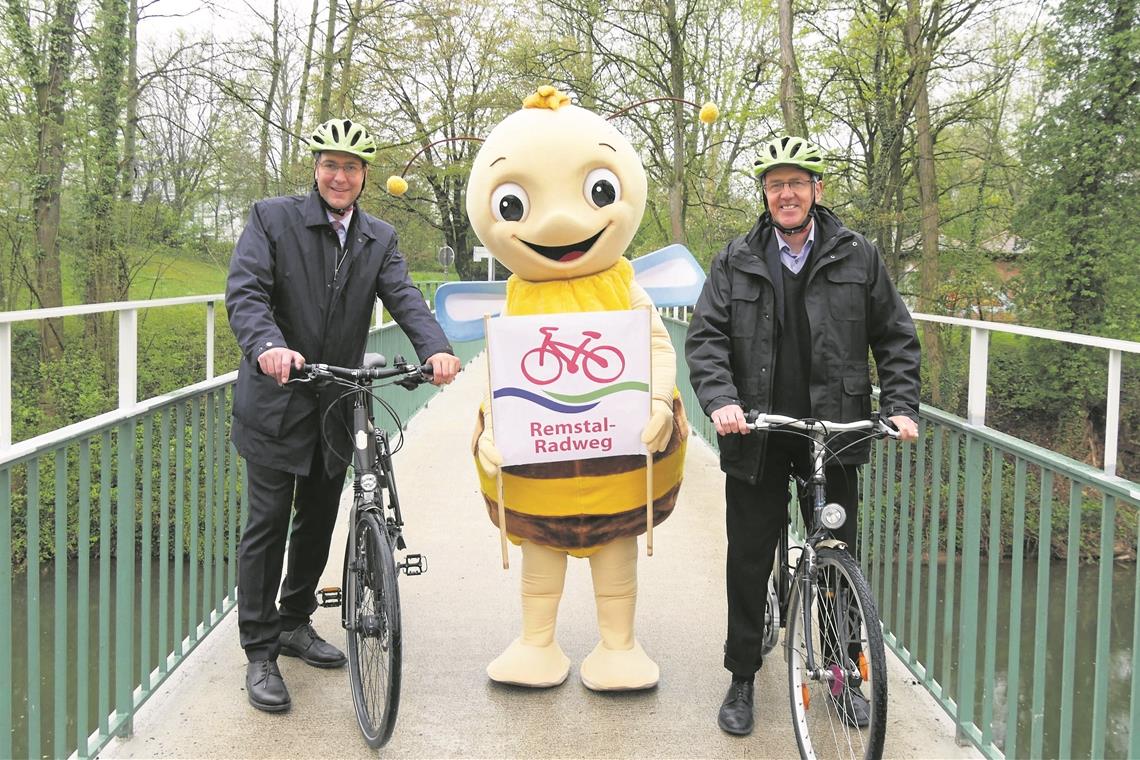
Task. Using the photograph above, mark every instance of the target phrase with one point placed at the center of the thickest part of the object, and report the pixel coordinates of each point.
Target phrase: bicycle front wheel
(373, 601)
(837, 671)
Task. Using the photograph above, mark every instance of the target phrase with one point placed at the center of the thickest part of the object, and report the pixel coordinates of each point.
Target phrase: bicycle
(370, 603)
(546, 363)
(824, 603)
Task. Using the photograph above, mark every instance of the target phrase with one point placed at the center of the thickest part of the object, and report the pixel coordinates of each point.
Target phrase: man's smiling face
(789, 192)
(556, 194)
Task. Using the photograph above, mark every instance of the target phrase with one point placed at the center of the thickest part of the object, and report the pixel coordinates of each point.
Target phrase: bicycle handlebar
(373, 369)
(875, 424)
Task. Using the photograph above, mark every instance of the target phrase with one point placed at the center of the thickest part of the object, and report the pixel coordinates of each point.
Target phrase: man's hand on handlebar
(278, 362)
(444, 368)
(730, 419)
(908, 430)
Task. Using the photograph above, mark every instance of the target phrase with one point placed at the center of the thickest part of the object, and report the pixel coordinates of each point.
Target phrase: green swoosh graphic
(630, 385)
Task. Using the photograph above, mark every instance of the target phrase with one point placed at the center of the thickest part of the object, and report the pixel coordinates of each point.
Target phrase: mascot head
(556, 191)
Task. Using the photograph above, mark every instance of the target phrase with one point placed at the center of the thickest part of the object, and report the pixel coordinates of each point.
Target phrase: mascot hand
(660, 428)
(489, 456)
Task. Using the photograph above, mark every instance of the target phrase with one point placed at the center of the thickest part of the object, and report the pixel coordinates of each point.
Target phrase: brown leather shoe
(265, 687)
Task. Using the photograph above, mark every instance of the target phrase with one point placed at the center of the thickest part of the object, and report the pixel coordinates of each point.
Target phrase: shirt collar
(786, 249)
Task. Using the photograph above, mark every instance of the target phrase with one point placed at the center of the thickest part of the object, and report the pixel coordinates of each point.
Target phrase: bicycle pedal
(414, 564)
(330, 596)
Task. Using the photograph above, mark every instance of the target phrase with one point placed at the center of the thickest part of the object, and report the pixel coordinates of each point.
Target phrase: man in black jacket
(302, 286)
(783, 326)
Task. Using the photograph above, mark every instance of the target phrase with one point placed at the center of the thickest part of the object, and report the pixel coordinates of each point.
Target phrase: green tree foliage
(1078, 218)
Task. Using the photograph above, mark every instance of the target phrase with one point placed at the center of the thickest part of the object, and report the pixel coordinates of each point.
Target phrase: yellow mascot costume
(556, 193)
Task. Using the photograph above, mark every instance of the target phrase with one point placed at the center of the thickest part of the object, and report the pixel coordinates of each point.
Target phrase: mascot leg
(618, 663)
(535, 659)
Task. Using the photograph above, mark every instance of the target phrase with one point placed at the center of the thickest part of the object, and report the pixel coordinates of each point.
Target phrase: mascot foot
(619, 669)
(529, 665)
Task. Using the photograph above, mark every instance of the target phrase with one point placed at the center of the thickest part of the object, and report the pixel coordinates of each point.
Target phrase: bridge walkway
(465, 610)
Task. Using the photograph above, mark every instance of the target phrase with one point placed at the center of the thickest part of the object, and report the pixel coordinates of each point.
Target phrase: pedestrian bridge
(129, 648)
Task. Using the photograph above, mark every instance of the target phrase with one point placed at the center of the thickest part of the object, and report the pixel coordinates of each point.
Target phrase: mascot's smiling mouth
(564, 253)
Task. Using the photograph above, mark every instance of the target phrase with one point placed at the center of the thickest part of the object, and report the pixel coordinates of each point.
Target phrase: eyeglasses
(330, 168)
(796, 185)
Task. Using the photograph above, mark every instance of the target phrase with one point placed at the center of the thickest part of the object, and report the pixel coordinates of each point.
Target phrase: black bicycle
(370, 607)
(833, 640)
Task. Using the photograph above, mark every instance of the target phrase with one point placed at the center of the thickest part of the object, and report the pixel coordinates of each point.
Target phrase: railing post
(979, 367)
(128, 357)
(5, 385)
(209, 340)
(1112, 414)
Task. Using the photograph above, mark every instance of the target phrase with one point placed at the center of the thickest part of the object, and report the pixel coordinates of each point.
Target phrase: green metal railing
(118, 538)
(972, 540)
(963, 537)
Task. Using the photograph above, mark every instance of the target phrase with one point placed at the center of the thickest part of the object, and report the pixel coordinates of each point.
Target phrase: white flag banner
(569, 386)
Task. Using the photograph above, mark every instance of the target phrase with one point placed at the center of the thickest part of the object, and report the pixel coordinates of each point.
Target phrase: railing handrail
(1113, 344)
(55, 312)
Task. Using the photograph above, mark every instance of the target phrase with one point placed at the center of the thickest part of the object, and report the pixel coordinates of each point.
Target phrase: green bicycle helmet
(345, 136)
(786, 150)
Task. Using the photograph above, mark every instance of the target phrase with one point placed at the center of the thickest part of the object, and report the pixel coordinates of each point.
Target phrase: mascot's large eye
(509, 203)
(602, 188)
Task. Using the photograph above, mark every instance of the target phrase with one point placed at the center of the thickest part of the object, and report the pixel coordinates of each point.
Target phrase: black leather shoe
(852, 707)
(736, 711)
(304, 642)
(265, 686)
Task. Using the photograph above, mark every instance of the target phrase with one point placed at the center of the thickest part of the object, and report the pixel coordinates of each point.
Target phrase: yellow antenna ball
(397, 185)
(709, 113)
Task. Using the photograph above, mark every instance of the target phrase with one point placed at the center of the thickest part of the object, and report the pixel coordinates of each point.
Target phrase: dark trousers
(272, 495)
(754, 517)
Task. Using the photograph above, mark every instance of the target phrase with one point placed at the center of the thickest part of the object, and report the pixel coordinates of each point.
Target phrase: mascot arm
(485, 451)
(664, 360)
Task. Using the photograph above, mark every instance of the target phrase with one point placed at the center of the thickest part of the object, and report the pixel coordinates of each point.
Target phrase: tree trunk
(131, 125)
(928, 197)
(303, 95)
(327, 68)
(346, 58)
(791, 92)
(677, 85)
(50, 97)
(267, 111)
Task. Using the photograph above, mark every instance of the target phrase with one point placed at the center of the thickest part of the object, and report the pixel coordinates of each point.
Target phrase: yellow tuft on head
(546, 96)
(709, 113)
(397, 185)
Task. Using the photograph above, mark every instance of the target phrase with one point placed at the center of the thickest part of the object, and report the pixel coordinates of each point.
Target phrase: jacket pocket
(856, 401)
(745, 307)
(847, 293)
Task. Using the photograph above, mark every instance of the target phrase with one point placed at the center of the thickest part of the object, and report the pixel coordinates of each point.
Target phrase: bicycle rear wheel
(373, 601)
(846, 664)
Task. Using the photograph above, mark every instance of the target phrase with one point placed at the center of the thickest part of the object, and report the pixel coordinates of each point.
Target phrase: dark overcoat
(282, 291)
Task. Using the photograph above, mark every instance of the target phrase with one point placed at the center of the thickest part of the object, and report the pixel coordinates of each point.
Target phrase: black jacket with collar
(280, 292)
(851, 306)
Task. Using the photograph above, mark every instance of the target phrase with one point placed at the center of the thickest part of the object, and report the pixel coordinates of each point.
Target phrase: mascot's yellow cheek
(578, 505)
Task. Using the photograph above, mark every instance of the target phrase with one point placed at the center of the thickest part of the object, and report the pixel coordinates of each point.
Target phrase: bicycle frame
(805, 568)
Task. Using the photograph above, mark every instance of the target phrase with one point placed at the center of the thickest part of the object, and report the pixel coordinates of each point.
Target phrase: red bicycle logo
(545, 364)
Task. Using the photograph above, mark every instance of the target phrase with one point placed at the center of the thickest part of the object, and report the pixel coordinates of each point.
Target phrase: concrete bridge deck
(465, 610)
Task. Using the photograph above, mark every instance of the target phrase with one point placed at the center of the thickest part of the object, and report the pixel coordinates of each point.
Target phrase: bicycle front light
(832, 516)
(368, 482)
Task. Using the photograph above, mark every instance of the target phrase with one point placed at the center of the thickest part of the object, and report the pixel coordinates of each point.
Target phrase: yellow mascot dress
(557, 193)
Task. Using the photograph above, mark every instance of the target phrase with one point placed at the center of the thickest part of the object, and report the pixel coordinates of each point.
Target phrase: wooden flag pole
(649, 459)
(499, 475)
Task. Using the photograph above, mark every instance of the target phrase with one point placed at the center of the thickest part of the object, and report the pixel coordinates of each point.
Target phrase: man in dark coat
(782, 326)
(302, 286)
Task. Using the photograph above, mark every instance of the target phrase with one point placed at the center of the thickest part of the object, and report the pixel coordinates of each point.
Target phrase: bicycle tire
(374, 638)
(817, 700)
